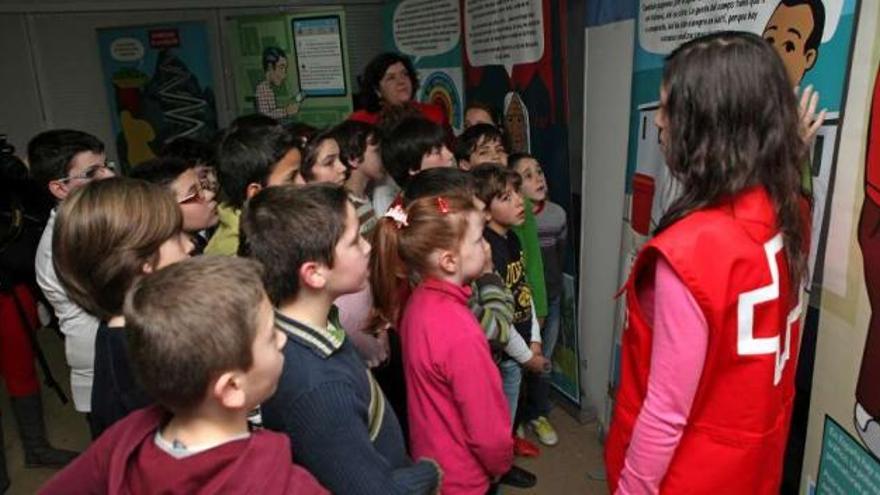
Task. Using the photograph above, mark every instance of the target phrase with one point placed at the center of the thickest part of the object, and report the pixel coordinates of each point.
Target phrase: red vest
(730, 258)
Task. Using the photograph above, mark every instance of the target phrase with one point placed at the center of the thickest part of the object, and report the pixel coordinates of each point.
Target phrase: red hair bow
(442, 205)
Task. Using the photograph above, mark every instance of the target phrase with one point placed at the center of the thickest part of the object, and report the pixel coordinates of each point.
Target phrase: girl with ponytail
(457, 411)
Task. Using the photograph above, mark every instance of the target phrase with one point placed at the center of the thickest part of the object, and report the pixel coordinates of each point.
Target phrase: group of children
(382, 349)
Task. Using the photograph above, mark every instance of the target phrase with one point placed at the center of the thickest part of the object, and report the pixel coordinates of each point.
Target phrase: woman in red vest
(713, 306)
(390, 81)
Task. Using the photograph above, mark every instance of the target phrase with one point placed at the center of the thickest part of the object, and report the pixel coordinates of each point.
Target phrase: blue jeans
(511, 377)
(538, 384)
(550, 332)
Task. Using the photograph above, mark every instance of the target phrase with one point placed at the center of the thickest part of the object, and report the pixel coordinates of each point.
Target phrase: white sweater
(79, 328)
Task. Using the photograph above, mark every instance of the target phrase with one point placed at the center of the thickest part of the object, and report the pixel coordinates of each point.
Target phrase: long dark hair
(733, 124)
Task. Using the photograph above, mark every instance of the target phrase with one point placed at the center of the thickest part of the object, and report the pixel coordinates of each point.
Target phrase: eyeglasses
(105, 169)
(199, 195)
(208, 178)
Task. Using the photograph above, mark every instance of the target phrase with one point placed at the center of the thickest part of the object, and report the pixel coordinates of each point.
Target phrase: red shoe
(525, 448)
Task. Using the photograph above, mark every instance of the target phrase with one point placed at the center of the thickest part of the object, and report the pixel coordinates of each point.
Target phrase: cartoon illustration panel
(159, 84)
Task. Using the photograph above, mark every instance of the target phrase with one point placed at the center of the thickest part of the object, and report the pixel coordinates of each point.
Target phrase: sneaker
(525, 448)
(544, 431)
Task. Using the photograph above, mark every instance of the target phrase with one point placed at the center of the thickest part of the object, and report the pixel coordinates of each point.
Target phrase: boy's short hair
(286, 226)
(50, 153)
(353, 136)
(310, 154)
(251, 120)
(190, 150)
(301, 132)
(492, 180)
(390, 117)
(515, 158)
(162, 170)
(479, 105)
(191, 321)
(407, 143)
(470, 138)
(442, 181)
(248, 153)
(104, 233)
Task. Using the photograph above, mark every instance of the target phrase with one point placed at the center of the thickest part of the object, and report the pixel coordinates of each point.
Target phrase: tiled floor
(573, 466)
(569, 467)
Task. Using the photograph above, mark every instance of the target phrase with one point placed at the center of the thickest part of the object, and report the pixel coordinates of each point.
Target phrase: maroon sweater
(125, 459)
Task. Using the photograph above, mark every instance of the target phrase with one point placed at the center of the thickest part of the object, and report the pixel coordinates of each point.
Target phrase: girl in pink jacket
(457, 411)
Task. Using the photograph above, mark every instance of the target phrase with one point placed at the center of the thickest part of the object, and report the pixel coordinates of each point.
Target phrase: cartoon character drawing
(867, 408)
(795, 31)
(275, 67)
(137, 132)
(516, 123)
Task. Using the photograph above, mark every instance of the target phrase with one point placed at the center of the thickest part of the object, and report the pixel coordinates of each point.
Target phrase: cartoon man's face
(275, 75)
(788, 30)
(514, 122)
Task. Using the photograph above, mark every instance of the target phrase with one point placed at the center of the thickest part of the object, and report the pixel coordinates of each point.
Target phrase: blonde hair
(105, 232)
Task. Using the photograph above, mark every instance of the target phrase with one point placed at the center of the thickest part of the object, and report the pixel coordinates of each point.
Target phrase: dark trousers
(868, 388)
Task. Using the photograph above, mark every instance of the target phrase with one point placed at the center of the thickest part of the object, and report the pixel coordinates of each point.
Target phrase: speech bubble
(504, 33)
(126, 50)
(665, 24)
(423, 28)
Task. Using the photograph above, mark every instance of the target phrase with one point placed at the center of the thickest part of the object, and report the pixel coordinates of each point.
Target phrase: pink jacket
(458, 415)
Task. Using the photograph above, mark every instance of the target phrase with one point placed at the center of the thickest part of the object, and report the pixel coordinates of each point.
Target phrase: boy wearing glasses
(197, 203)
(63, 160)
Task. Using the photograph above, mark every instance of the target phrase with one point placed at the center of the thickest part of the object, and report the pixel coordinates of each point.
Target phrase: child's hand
(538, 363)
(536, 348)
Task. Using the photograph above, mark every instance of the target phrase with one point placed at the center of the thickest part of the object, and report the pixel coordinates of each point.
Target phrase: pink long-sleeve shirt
(458, 414)
(678, 352)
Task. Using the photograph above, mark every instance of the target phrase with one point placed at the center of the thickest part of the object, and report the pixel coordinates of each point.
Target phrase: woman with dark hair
(387, 97)
(713, 300)
(389, 80)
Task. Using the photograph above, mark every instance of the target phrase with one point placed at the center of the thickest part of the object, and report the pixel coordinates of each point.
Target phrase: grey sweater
(552, 234)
